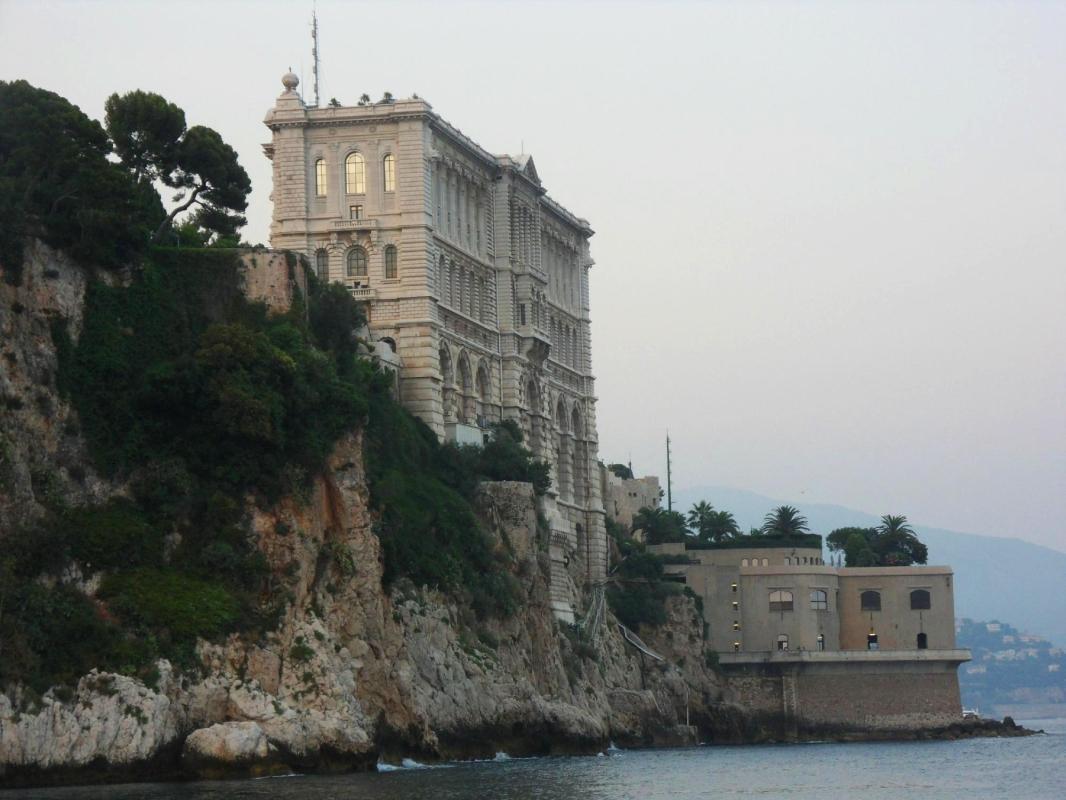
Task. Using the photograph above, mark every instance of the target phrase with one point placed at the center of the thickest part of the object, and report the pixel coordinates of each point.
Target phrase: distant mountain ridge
(995, 578)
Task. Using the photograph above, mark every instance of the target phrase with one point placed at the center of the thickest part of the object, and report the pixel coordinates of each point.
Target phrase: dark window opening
(920, 600)
(871, 601)
(923, 641)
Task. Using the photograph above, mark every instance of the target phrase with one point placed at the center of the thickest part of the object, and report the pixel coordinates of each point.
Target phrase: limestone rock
(227, 743)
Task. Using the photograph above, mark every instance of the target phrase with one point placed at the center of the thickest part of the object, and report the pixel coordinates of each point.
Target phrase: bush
(638, 593)
(182, 606)
(110, 536)
(52, 635)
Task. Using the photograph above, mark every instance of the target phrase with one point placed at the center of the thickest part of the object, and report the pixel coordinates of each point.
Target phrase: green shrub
(51, 634)
(183, 606)
(638, 593)
(111, 536)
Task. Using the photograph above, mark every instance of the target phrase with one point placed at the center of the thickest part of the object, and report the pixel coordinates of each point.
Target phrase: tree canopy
(660, 526)
(58, 184)
(893, 543)
(150, 137)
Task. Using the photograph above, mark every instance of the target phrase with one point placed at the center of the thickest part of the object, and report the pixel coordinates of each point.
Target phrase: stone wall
(870, 695)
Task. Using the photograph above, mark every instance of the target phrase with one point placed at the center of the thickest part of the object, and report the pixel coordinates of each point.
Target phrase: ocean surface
(1032, 767)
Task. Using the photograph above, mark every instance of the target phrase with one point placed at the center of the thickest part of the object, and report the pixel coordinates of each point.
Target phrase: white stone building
(471, 273)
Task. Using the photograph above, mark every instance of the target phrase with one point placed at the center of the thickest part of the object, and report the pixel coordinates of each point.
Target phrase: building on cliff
(625, 497)
(471, 274)
(868, 646)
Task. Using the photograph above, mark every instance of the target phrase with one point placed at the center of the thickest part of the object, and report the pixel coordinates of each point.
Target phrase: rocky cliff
(351, 673)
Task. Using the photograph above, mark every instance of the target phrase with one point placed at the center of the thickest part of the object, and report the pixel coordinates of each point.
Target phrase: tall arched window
(782, 641)
(780, 600)
(322, 264)
(357, 262)
(819, 600)
(321, 184)
(870, 601)
(389, 172)
(923, 641)
(920, 600)
(390, 261)
(355, 174)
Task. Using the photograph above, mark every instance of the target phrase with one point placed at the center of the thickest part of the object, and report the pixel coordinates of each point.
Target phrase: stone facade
(863, 691)
(472, 275)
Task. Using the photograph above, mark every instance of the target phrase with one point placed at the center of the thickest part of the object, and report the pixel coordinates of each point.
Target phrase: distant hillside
(1011, 672)
(994, 578)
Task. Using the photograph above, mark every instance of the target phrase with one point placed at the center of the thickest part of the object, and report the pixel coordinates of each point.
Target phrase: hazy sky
(831, 238)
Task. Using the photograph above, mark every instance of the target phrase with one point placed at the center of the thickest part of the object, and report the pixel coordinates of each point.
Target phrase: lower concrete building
(871, 647)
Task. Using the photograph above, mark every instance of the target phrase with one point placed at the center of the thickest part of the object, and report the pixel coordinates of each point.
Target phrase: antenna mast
(314, 47)
(669, 485)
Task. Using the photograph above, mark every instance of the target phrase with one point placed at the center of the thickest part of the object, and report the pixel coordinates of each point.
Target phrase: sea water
(1030, 767)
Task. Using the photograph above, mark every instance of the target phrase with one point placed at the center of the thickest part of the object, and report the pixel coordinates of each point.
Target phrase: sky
(830, 237)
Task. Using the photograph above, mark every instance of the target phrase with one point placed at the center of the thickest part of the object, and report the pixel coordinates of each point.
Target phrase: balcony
(354, 225)
(363, 293)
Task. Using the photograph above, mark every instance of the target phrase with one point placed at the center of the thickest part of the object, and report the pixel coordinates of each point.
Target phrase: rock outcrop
(352, 673)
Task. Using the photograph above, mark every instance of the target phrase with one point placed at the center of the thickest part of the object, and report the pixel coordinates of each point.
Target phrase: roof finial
(290, 81)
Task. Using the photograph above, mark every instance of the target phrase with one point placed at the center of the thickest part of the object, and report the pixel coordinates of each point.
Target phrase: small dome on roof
(290, 81)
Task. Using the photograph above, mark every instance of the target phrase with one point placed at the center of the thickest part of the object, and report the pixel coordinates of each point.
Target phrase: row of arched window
(921, 600)
(356, 262)
(355, 174)
(782, 600)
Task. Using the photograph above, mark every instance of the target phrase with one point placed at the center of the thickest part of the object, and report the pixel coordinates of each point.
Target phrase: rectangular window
(389, 168)
(320, 178)
(819, 600)
(355, 212)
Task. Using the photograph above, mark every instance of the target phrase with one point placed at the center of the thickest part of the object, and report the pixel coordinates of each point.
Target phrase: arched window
(355, 174)
(388, 166)
(743, 562)
(920, 600)
(923, 641)
(782, 641)
(766, 562)
(870, 601)
(322, 264)
(390, 261)
(821, 641)
(357, 262)
(819, 600)
(780, 600)
(788, 561)
(321, 184)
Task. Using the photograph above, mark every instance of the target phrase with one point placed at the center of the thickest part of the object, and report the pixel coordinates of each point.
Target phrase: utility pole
(314, 47)
(669, 484)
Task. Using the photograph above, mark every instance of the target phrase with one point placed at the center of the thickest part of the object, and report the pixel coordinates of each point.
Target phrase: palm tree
(723, 526)
(895, 525)
(699, 518)
(897, 544)
(785, 521)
